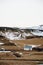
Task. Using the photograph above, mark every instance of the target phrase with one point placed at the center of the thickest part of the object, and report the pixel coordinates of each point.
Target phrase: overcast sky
(21, 13)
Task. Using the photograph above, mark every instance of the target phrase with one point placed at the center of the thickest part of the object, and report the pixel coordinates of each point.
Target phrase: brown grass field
(27, 58)
(34, 41)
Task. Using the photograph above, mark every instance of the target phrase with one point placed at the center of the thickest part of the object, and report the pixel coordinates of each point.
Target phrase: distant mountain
(14, 33)
(40, 27)
(9, 28)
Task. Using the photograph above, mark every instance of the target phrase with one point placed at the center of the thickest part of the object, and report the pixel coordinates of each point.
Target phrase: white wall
(21, 13)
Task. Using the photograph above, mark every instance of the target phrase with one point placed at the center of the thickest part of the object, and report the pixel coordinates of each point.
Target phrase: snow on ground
(37, 27)
(22, 34)
(39, 33)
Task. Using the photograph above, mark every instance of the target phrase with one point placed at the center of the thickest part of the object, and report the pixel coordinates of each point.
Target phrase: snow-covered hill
(21, 33)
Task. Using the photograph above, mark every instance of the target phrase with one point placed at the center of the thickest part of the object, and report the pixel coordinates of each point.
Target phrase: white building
(30, 47)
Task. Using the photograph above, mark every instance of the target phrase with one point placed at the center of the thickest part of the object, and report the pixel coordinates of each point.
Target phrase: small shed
(27, 47)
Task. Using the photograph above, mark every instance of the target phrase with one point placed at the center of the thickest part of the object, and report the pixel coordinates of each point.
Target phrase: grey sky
(21, 13)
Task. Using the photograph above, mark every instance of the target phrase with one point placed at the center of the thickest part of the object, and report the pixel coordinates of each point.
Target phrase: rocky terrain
(21, 33)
